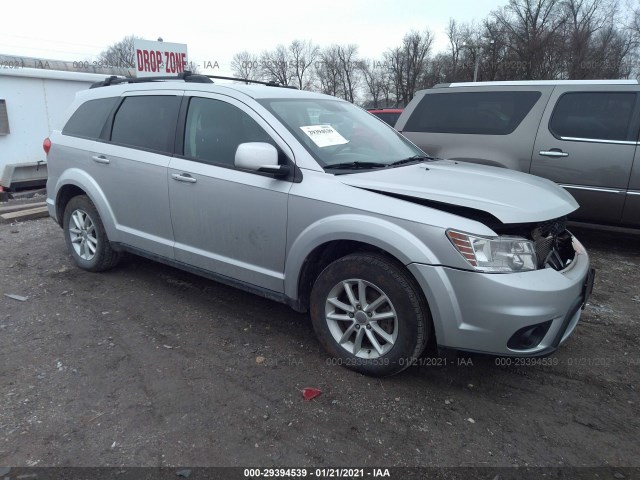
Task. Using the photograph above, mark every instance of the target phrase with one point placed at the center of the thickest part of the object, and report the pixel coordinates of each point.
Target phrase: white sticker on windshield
(324, 135)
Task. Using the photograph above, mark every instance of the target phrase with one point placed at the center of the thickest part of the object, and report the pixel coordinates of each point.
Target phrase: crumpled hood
(510, 196)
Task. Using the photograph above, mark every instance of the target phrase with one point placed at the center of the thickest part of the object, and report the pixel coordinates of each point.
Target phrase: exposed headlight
(497, 254)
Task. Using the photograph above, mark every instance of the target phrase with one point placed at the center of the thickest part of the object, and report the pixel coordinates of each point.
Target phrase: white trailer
(32, 102)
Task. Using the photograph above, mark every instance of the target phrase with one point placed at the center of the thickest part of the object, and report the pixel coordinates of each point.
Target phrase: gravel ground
(146, 365)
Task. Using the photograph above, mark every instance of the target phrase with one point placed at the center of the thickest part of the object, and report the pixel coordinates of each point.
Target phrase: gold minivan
(582, 134)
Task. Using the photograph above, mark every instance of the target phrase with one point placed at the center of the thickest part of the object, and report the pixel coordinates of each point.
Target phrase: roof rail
(186, 76)
(246, 80)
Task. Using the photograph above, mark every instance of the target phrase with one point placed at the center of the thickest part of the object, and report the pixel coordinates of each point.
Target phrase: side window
(214, 129)
(87, 121)
(147, 122)
(480, 113)
(594, 115)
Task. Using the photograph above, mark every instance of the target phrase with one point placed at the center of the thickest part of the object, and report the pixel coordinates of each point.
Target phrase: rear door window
(594, 116)
(147, 122)
(476, 113)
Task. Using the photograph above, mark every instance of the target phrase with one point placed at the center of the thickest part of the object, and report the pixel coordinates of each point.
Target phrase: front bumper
(481, 312)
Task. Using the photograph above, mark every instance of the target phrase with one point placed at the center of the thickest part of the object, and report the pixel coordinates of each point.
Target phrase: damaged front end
(518, 248)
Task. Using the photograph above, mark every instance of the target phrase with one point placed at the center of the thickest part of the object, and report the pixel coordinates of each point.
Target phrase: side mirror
(260, 157)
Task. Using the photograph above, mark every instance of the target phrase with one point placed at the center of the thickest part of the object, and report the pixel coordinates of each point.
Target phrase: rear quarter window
(476, 113)
(89, 119)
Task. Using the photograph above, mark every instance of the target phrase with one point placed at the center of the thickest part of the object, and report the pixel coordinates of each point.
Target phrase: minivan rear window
(88, 120)
(476, 113)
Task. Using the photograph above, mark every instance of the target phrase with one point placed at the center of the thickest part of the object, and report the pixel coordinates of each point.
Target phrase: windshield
(339, 134)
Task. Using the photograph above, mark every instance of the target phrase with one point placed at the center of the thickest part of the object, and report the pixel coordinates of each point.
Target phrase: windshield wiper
(414, 159)
(354, 166)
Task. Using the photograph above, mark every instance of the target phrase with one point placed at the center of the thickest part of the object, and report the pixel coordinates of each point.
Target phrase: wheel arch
(76, 182)
(329, 239)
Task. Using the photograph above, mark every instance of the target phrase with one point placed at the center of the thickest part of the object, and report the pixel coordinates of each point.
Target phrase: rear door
(586, 142)
(131, 168)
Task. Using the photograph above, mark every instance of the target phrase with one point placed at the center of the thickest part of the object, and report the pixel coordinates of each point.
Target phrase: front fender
(85, 182)
(380, 233)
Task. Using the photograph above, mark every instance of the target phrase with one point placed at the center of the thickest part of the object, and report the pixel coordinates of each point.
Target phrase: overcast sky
(79, 30)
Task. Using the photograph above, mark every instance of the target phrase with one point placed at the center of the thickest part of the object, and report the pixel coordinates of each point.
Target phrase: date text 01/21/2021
(260, 473)
(420, 362)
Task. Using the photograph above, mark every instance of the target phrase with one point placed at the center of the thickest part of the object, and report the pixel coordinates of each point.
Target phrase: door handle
(100, 159)
(183, 177)
(554, 152)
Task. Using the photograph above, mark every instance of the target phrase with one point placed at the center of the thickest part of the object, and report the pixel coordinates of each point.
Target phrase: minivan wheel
(85, 236)
(369, 314)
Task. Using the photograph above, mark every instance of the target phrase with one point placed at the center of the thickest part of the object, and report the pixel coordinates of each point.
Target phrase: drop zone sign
(157, 59)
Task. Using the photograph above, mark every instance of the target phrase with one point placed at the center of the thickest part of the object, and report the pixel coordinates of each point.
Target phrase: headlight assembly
(495, 254)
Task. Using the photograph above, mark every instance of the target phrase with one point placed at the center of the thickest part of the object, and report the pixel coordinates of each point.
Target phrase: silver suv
(582, 134)
(311, 201)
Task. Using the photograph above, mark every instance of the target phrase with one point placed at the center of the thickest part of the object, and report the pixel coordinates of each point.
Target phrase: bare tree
(614, 48)
(275, 65)
(328, 71)
(386, 87)
(246, 65)
(348, 61)
(303, 55)
(584, 19)
(121, 54)
(499, 61)
(373, 76)
(534, 28)
(408, 63)
(455, 35)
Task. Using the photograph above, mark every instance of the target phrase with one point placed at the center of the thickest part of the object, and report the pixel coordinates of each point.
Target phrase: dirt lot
(147, 365)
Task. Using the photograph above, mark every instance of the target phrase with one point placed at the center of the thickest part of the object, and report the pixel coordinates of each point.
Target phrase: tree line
(523, 40)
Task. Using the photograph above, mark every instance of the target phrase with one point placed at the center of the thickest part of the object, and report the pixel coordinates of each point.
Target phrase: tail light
(46, 145)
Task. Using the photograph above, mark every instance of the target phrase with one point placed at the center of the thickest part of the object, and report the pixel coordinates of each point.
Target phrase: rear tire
(369, 314)
(85, 236)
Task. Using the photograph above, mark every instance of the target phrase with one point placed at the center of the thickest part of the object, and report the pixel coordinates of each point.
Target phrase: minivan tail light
(46, 145)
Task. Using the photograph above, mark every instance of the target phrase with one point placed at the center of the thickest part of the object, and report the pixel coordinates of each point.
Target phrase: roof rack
(246, 80)
(186, 76)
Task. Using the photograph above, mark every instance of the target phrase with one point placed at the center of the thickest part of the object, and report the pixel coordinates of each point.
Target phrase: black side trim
(178, 144)
(105, 134)
(232, 282)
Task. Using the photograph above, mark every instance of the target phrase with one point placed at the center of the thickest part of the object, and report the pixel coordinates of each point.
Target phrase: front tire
(369, 314)
(85, 236)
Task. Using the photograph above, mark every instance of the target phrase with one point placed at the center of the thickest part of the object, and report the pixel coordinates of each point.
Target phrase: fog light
(529, 337)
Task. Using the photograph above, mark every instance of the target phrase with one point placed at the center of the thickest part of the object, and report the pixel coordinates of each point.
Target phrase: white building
(32, 102)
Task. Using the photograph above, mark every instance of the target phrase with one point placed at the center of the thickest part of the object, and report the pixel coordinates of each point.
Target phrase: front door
(225, 220)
